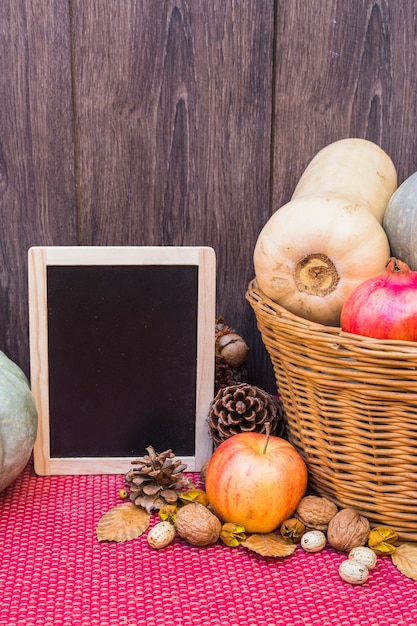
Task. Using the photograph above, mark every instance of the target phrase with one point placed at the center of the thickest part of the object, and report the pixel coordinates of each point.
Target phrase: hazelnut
(233, 349)
(353, 572)
(197, 525)
(347, 530)
(161, 535)
(364, 555)
(313, 541)
(316, 512)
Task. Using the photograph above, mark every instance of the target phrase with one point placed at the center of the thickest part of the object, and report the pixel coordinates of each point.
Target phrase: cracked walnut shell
(315, 512)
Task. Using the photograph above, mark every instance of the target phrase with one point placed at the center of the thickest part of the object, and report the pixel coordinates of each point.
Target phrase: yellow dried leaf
(168, 513)
(405, 559)
(195, 495)
(269, 545)
(123, 523)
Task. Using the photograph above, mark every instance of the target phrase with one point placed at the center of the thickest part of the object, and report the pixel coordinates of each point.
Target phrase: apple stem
(267, 433)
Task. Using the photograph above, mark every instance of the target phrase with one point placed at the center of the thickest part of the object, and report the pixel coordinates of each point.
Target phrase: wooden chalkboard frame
(39, 259)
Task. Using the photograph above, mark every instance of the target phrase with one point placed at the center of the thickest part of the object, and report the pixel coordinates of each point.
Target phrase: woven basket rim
(283, 316)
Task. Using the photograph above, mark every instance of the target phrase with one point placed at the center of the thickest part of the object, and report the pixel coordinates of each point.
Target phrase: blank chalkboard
(122, 354)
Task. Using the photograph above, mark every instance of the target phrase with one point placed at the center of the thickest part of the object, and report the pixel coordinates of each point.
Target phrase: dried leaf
(195, 495)
(123, 523)
(405, 558)
(269, 545)
(168, 513)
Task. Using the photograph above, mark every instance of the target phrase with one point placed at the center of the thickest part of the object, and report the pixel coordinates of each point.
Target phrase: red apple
(255, 480)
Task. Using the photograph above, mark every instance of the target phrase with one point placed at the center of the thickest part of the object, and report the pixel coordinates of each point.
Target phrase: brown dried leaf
(269, 545)
(405, 558)
(123, 523)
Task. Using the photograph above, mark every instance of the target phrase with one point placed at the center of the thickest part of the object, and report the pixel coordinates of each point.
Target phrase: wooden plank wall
(147, 122)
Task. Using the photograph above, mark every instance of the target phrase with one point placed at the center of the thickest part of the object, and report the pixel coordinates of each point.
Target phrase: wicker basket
(350, 406)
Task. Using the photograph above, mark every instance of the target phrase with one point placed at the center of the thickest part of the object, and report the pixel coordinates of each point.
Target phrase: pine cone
(157, 480)
(244, 408)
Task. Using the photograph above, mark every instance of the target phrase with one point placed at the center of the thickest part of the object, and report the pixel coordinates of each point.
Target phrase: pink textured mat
(54, 572)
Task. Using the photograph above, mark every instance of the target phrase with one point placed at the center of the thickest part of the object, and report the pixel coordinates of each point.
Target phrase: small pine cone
(156, 480)
(223, 375)
(244, 408)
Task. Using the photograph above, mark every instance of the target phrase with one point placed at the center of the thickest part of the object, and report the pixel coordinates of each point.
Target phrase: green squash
(400, 222)
(18, 421)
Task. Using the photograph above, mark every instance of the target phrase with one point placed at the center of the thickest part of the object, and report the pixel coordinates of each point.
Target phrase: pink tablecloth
(54, 572)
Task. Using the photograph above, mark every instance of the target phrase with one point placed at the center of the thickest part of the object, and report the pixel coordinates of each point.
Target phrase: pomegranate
(384, 307)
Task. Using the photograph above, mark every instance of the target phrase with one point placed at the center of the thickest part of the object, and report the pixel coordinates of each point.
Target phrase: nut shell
(313, 541)
(353, 572)
(347, 530)
(161, 535)
(315, 512)
(233, 349)
(197, 525)
(364, 555)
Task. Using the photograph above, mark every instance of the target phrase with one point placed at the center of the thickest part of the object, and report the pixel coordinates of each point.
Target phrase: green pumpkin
(18, 421)
(400, 222)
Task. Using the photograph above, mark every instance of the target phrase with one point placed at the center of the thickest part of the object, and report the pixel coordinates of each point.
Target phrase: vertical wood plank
(173, 116)
(343, 69)
(37, 199)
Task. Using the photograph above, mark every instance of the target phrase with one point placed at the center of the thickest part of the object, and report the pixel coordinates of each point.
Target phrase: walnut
(347, 530)
(197, 525)
(316, 512)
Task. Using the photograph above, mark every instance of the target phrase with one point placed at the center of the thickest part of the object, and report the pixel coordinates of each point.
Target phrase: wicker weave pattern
(351, 410)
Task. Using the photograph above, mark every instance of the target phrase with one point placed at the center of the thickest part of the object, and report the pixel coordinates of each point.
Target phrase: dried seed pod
(161, 535)
(232, 534)
(353, 572)
(292, 529)
(197, 525)
(381, 540)
(316, 512)
(347, 529)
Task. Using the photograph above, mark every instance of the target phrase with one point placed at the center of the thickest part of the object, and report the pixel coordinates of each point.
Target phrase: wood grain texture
(173, 117)
(37, 193)
(185, 122)
(343, 70)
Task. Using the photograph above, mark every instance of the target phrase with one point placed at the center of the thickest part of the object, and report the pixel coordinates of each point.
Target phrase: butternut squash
(314, 251)
(356, 168)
